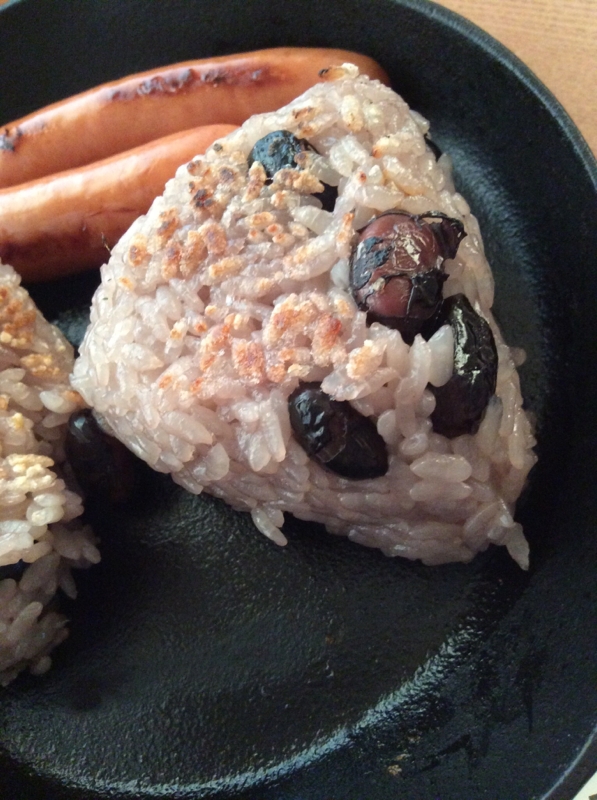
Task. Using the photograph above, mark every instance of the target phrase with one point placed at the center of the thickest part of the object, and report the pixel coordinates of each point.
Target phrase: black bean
(102, 465)
(396, 269)
(461, 402)
(278, 150)
(335, 435)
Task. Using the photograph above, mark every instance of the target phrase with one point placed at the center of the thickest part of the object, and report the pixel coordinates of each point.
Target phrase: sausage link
(137, 109)
(65, 223)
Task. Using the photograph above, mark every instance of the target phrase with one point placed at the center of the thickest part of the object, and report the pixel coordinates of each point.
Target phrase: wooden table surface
(557, 39)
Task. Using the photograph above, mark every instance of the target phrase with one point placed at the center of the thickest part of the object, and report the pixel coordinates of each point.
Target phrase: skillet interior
(205, 662)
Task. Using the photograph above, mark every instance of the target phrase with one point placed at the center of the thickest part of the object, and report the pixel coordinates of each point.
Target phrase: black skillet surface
(205, 662)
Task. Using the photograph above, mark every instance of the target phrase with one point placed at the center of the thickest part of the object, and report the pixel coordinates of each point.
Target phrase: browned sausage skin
(66, 223)
(134, 110)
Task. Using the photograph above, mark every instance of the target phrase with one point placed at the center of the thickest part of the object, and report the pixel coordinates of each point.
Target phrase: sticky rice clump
(233, 289)
(40, 535)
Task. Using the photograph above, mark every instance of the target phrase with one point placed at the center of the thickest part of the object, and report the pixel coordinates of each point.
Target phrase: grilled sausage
(65, 223)
(137, 109)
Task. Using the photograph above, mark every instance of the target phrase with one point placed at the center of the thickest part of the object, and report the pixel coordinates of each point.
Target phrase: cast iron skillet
(205, 662)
